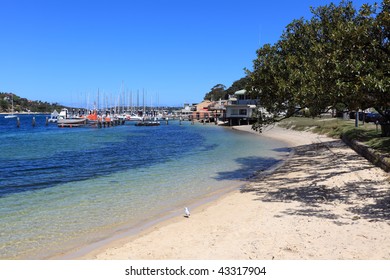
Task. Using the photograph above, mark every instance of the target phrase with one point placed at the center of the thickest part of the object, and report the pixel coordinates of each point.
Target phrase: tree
(3, 105)
(339, 56)
(237, 85)
(217, 92)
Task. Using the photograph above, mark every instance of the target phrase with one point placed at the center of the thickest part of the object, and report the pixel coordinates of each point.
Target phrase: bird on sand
(186, 212)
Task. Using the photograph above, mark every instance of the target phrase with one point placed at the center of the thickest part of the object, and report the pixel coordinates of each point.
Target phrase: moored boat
(148, 123)
(66, 120)
(132, 117)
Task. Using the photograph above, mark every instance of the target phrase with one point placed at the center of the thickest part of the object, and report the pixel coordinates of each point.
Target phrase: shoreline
(127, 234)
(25, 113)
(261, 221)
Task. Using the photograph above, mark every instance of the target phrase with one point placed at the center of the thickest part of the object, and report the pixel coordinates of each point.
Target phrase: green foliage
(336, 128)
(24, 105)
(3, 105)
(338, 58)
(381, 144)
(237, 85)
(217, 92)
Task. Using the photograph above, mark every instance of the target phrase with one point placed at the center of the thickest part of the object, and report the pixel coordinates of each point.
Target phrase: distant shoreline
(26, 113)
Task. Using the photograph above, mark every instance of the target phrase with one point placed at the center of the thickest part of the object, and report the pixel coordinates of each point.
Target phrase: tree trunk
(385, 127)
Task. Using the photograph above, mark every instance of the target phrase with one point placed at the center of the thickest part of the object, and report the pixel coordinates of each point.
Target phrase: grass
(336, 128)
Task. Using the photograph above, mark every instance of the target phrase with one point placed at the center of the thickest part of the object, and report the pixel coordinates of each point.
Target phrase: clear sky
(174, 50)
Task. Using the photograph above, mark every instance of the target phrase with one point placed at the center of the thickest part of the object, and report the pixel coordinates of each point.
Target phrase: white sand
(325, 202)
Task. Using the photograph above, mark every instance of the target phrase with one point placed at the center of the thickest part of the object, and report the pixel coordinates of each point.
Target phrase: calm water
(63, 188)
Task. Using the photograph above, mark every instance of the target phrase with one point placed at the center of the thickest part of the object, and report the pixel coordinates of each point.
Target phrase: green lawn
(367, 133)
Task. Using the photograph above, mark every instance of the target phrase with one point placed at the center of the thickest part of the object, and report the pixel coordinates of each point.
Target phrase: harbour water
(62, 188)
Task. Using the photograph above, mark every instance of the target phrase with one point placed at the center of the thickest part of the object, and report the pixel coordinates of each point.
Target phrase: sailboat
(12, 110)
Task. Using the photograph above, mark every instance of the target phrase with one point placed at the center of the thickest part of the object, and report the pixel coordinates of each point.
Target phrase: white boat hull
(71, 122)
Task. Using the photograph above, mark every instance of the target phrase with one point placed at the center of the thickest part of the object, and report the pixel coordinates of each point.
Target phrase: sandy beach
(324, 202)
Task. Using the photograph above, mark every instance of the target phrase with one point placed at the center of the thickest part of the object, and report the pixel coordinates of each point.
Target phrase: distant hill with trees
(24, 105)
(219, 91)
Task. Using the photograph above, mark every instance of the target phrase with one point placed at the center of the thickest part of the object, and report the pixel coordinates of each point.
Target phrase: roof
(241, 106)
(240, 92)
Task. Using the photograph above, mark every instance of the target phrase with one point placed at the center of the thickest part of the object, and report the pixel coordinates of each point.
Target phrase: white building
(241, 108)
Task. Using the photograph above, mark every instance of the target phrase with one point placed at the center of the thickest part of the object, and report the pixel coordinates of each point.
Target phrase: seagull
(187, 212)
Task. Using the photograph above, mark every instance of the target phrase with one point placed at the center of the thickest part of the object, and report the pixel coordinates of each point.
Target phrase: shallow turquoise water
(64, 188)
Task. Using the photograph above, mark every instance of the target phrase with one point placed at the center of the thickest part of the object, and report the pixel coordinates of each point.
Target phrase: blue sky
(175, 51)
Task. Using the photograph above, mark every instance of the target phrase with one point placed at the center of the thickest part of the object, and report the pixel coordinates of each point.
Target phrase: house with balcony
(240, 108)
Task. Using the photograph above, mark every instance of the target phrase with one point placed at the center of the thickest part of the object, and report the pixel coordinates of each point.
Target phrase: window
(234, 112)
(242, 112)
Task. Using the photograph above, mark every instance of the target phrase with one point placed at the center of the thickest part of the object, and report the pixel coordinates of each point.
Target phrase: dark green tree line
(23, 104)
(216, 93)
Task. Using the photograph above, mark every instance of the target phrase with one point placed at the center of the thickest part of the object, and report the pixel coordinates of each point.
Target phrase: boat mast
(98, 108)
(137, 100)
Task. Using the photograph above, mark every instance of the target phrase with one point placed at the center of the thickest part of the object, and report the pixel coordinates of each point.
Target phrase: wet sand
(324, 202)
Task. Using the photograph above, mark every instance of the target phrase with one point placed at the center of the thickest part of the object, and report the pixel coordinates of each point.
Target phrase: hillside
(22, 105)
